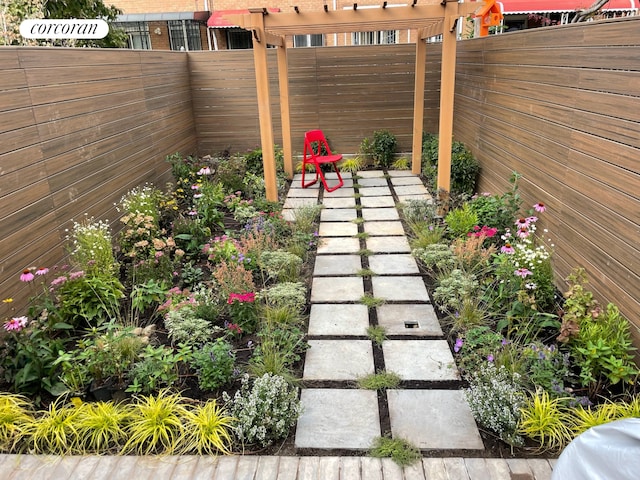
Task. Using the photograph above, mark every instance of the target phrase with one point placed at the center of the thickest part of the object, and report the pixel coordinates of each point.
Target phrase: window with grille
(137, 34)
(238, 38)
(382, 37)
(184, 35)
(314, 40)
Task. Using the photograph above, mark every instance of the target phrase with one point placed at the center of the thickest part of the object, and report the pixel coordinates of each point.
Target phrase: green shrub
(383, 148)
(184, 326)
(464, 167)
(437, 257)
(291, 294)
(453, 288)
(399, 450)
(461, 221)
(214, 364)
(265, 410)
(280, 265)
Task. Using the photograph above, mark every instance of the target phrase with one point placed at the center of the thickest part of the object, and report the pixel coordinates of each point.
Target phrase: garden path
(360, 229)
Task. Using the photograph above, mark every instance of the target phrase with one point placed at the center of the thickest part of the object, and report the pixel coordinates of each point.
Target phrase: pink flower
(532, 219)
(42, 271)
(523, 272)
(540, 207)
(522, 222)
(197, 195)
(76, 275)
(204, 171)
(58, 281)
(26, 276)
(523, 233)
(489, 358)
(16, 324)
(192, 213)
(195, 187)
(507, 248)
(246, 297)
(159, 254)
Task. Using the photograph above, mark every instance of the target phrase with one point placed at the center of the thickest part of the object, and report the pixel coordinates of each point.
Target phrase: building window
(382, 37)
(137, 34)
(238, 38)
(315, 40)
(184, 35)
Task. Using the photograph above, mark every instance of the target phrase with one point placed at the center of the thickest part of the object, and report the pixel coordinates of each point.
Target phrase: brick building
(201, 25)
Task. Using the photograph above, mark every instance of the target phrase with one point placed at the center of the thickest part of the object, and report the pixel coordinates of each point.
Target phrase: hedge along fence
(348, 92)
(78, 129)
(561, 106)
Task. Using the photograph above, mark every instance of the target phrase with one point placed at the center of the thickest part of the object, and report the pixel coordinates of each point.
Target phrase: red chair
(315, 144)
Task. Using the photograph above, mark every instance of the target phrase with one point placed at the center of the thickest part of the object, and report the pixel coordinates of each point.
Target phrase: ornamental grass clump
(265, 409)
(546, 420)
(54, 431)
(15, 415)
(208, 429)
(101, 427)
(495, 398)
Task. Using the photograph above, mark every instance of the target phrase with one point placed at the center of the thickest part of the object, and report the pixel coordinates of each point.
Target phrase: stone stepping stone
(303, 192)
(337, 229)
(327, 265)
(372, 182)
(371, 173)
(403, 264)
(411, 190)
(338, 360)
(339, 202)
(289, 214)
(335, 319)
(336, 289)
(400, 289)
(297, 180)
(428, 360)
(433, 419)
(374, 191)
(418, 320)
(406, 181)
(344, 191)
(406, 198)
(338, 419)
(388, 244)
(338, 214)
(383, 228)
(334, 176)
(377, 202)
(401, 173)
(338, 245)
(372, 214)
(292, 202)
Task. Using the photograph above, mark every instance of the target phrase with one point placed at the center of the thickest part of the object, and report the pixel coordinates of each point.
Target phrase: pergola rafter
(429, 20)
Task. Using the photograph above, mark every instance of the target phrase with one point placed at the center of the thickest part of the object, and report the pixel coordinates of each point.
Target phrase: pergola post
(264, 105)
(447, 90)
(283, 83)
(418, 104)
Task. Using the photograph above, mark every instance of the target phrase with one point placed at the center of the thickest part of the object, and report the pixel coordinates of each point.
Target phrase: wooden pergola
(439, 18)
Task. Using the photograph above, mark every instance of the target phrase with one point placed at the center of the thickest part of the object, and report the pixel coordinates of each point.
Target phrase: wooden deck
(36, 467)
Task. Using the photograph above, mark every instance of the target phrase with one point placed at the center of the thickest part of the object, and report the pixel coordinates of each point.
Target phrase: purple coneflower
(26, 276)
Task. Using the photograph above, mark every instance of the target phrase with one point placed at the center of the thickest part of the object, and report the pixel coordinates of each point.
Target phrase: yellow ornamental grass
(547, 421)
(15, 415)
(208, 429)
(101, 427)
(55, 431)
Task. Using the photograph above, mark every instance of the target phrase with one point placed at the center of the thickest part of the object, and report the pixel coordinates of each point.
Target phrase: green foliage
(280, 266)
(185, 326)
(475, 346)
(101, 426)
(377, 334)
(546, 420)
(438, 258)
(379, 381)
(351, 164)
(370, 301)
(208, 429)
(401, 163)
(399, 450)
(15, 415)
(453, 288)
(461, 221)
(156, 368)
(214, 363)
(156, 424)
(55, 431)
(290, 294)
(543, 366)
(265, 411)
(495, 399)
(498, 211)
(91, 249)
(464, 167)
(383, 148)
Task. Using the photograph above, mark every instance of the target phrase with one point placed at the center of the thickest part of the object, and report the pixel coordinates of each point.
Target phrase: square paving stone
(339, 202)
(335, 319)
(337, 265)
(388, 244)
(400, 173)
(399, 288)
(370, 173)
(419, 319)
(402, 264)
(338, 245)
(374, 191)
(377, 202)
(333, 175)
(303, 192)
(292, 202)
(433, 419)
(338, 214)
(337, 229)
(383, 228)
(370, 214)
(336, 289)
(338, 419)
(343, 191)
(406, 181)
(338, 359)
(407, 198)
(429, 360)
(372, 182)
(297, 180)
(411, 190)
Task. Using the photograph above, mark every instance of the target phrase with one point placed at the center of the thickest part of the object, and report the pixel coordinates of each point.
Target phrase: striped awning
(549, 6)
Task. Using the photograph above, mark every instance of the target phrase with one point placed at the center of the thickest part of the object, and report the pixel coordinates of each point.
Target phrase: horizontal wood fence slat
(561, 106)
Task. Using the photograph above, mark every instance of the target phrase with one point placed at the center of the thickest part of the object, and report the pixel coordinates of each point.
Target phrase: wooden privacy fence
(349, 92)
(78, 129)
(561, 106)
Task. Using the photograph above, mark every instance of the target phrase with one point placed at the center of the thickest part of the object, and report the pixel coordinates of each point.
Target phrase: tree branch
(582, 15)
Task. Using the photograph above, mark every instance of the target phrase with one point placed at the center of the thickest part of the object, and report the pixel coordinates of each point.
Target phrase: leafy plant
(498, 211)
(399, 450)
(437, 257)
(265, 411)
(185, 326)
(156, 368)
(101, 426)
(90, 246)
(214, 364)
(383, 148)
(280, 266)
(156, 425)
(464, 167)
(401, 163)
(546, 420)
(453, 288)
(461, 221)
(15, 415)
(208, 429)
(370, 301)
(54, 431)
(291, 294)
(379, 381)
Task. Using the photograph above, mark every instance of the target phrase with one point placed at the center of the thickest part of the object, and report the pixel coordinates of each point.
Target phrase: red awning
(217, 20)
(542, 6)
